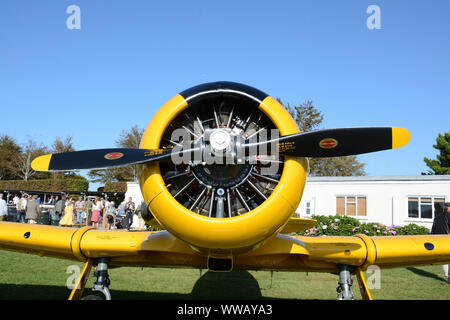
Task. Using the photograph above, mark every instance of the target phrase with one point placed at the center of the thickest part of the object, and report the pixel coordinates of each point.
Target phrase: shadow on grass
(424, 273)
(238, 284)
(233, 285)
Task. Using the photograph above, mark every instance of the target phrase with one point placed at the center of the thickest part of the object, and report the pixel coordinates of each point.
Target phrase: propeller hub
(220, 139)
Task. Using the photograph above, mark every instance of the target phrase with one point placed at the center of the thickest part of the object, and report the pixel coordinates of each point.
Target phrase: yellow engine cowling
(240, 232)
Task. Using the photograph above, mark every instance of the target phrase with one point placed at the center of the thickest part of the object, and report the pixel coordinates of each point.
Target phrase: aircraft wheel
(93, 297)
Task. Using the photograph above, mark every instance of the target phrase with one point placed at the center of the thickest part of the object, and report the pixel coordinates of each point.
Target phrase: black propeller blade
(340, 142)
(97, 159)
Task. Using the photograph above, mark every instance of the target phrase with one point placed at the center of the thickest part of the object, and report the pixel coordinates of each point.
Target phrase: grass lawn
(25, 276)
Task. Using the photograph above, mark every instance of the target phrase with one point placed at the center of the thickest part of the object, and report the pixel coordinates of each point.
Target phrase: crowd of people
(72, 211)
(28, 208)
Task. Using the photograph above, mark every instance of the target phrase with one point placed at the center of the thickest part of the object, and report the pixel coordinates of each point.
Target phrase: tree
(128, 139)
(8, 150)
(309, 118)
(442, 164)
(305, 115)
(60, 146)
(104, 176)
(336, 166)
(22, 160)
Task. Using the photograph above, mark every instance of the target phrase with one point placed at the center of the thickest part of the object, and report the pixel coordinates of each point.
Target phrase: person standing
(33, 210)
(67, 219)
(60, 206)
(129, 211)
(51, 201)
(15, 200)
(88, 211)
(111, 216)
(21, 208)
(96, 212)
(441, 225)
(3, 208)
(105, 205)
(80, 208)
(121, 209)
(121, 214)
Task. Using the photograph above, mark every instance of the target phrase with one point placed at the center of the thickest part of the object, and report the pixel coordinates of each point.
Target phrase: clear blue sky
(129, 57)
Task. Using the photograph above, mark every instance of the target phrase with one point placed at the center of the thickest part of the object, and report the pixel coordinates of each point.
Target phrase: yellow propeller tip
(41, 163)
(400, 137)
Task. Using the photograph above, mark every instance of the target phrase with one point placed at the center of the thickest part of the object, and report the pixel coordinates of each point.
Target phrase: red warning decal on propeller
(113, 155)
(328, 143)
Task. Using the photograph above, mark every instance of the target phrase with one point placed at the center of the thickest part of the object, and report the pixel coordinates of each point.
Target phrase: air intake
(220, 264)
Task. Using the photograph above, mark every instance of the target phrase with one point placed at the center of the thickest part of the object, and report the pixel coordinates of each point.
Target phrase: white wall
(134, 191)
(387, 197)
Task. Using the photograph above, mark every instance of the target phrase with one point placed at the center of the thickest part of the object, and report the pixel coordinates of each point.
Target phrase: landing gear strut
(103, 282)
(101, 285)
(345, 283)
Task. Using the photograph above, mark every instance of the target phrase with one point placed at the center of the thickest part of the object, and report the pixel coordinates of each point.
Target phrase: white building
(134, 191)
(390, 200)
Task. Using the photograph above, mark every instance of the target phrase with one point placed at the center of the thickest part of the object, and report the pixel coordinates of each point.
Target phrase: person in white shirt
(21, 208)
(15, 200)
(3, 208)
(80, 208)
(96, 212)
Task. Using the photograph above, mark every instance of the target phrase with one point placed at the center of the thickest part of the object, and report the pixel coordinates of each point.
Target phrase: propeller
(320, 143)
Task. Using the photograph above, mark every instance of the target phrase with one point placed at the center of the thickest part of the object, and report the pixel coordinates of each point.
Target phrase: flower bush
(347, 226)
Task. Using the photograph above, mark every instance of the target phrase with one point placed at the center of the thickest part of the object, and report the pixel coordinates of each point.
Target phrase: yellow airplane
(224, 168)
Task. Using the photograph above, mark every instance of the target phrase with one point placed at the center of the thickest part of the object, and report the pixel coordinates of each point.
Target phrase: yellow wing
(280, 252)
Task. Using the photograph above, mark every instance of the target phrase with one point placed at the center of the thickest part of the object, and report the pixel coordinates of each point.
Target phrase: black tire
(93, 297)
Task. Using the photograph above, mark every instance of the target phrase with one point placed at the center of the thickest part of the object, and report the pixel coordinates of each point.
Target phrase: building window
(355, 206)
(308, 207)
(425, 207)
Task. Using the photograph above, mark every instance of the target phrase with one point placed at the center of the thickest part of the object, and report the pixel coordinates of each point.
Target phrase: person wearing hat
(441, 225)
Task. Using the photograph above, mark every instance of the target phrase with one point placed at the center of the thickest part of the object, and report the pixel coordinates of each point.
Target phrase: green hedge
(49, 185)
(347, 226)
